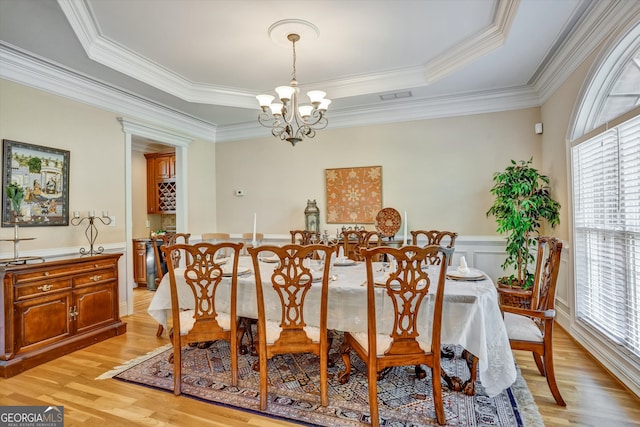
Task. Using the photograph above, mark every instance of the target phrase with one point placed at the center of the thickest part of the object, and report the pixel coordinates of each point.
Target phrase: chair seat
(522, 328)
(383, 342)
(187, 320)
(273, 332)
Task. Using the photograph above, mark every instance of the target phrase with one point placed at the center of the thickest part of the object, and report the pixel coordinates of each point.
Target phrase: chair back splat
(355, 241)
(435, 237)
(297, 290)
(213, 313)
(406, 290)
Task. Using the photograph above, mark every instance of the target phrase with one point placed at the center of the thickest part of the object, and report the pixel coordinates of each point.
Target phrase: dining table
(471, 316)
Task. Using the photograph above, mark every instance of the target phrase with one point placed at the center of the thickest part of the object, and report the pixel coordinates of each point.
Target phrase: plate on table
(472, 274)
(241, 272)
(388, 222)
(271, 259)
(344, 262)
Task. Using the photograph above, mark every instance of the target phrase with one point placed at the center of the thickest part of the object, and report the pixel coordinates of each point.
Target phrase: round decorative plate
(388, 222)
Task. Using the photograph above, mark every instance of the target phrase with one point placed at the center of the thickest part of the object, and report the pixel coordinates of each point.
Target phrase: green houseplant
(522, 201)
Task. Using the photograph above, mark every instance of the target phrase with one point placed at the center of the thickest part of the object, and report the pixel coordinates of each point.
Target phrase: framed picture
(354, 195)
(35, 190)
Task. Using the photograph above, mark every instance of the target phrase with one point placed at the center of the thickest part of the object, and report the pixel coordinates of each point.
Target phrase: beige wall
(201, 192)
(439, 171)
(97, 161)
(96, 142)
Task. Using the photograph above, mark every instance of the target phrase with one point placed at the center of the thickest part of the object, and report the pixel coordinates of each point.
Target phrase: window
(606, 182)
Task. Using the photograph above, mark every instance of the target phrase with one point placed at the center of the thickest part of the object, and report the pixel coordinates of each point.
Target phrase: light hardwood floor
(594, 398)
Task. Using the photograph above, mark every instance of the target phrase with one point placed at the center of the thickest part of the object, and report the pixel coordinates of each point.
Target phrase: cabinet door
(164, 168)
(140, 262)
(95, 306)
(42, 321)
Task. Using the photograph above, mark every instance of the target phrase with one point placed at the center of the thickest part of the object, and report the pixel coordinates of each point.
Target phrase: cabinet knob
(96, 278)
(45, 288)
(46, 273)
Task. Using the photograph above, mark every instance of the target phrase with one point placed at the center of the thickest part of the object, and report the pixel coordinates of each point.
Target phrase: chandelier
(287, 119)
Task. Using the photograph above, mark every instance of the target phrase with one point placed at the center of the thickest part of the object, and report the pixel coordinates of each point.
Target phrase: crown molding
(603, 18)
(477, 46)
(415, 109)
(30, 70)
(106, 52)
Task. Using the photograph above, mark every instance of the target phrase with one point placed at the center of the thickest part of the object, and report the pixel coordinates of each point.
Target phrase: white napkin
(463, 268)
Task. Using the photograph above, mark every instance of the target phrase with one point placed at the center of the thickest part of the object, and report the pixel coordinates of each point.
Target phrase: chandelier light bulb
(316, 96)
(265, 100)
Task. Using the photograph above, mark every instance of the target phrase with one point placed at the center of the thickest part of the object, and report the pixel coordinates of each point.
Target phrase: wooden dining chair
(247, 238)
(165, 240)
(304, 237)
(435, 237)
(404, 290)
(292, 280)
(203, 275)
(356, 240)
(217, 238)
(532, 329)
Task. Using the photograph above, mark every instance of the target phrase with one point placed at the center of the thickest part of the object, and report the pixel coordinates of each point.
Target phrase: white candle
(92, 214)
(105, 214)
(404, 242)
(255, 217)
(76, 214)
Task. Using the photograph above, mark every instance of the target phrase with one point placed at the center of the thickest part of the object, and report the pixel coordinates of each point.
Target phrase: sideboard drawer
(93, 277)
(42, 287)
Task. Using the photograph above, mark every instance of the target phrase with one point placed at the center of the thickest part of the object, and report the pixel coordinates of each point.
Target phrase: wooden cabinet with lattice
(161, 183)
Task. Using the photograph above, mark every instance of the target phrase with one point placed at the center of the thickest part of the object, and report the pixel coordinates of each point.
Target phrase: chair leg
(345, 351)
(160, 330)
(177, 367)
(539, 364)
(264, 379)
(436, 372)
(372, 377)
(551, 377)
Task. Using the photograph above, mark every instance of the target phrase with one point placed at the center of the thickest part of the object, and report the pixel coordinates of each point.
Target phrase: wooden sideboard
(54, 308)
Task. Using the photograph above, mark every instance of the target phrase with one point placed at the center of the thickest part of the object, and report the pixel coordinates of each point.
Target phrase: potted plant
(522, 201)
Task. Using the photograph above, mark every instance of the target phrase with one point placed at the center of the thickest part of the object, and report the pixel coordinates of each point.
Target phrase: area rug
(294, 392)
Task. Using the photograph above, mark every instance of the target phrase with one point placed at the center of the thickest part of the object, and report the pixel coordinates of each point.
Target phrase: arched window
(605, 159)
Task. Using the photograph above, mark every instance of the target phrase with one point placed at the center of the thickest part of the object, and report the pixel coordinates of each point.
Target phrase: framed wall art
(35, 190)
(354, 195)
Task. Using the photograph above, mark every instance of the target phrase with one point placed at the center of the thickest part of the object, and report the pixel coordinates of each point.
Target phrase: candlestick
(91, 232)
(404, 241)
(255, 218)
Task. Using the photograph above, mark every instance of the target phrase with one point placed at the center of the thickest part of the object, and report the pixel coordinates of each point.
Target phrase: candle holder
(91, 232)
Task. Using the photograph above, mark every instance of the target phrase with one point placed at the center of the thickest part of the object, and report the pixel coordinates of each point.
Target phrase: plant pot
(514, 295)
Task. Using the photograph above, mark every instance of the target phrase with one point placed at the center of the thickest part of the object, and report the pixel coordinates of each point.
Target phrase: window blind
(606, 182)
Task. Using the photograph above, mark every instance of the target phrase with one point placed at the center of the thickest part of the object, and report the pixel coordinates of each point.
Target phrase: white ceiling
(209, 58)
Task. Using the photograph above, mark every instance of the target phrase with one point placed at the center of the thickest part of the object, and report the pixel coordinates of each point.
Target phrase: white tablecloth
(471, 316)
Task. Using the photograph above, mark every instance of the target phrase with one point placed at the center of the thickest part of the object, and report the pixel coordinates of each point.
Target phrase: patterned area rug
(294, 392)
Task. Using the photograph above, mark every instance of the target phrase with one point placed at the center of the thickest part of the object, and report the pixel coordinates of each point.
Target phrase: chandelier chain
(293, 73)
